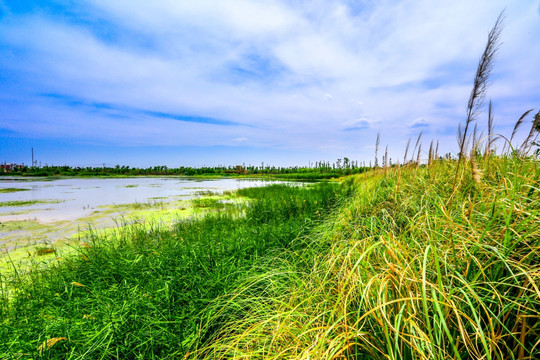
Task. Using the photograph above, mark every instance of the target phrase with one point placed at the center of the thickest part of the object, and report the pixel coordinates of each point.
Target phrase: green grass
(397, 274)
(136, 206)
(405, 266)
(142, 292)
(11, 190)
(27, 202)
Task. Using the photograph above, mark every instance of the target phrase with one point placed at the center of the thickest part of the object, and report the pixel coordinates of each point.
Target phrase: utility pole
(32, 157)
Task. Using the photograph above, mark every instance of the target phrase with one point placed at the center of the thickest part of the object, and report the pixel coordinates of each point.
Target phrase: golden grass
(48, 344)
(396, 274)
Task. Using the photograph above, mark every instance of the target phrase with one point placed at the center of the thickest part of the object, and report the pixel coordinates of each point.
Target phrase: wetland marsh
(37, 212)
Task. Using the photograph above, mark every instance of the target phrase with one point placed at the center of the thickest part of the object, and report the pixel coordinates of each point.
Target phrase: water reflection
(78, 197)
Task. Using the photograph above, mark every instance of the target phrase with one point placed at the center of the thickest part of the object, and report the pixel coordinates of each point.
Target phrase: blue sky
(177, 83)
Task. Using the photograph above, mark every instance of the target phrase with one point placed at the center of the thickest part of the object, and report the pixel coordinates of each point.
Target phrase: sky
(208, 82)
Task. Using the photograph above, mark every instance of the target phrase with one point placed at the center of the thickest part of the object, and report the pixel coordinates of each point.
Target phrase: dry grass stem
(406, 151)
(535, 129)
(518, 123)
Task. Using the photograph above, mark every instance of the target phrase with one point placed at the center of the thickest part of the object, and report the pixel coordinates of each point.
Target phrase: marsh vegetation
(11, 190)
(382, 266)
(141, 290)
(30, 220)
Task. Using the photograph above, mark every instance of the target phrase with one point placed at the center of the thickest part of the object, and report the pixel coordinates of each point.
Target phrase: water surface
(76, 198)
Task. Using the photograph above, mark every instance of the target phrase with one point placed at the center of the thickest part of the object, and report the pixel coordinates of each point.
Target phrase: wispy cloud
(358, 124)
(116, 110)
(279, 74)
(419, 123)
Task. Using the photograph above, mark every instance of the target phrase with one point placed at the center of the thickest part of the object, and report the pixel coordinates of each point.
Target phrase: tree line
(318, 169)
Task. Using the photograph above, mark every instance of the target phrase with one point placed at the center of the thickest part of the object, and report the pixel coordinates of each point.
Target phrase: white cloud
(295, 73)
(419, 123)
(359, 124)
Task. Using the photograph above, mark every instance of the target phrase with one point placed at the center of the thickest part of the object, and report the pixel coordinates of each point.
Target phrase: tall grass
(422, 262)
(395, 274)
(477, 96)
(392, 273)
(140, 293)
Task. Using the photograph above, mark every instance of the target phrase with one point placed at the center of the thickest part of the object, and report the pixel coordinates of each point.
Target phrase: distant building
(10, 167)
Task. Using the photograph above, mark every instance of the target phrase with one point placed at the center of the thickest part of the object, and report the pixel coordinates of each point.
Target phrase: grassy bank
(140, 292)
(428, 262)
(410, 267)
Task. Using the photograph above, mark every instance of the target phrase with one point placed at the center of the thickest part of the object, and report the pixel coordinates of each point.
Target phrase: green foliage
(319, 170)
(396, 271)
(393, 273)
(27, 202)
(10, 190)
(396, 274)
(141, 293)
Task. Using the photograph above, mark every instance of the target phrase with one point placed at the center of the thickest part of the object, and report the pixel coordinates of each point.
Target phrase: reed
(490, 138)
(533, 135)
(519, 123)
(478, 92)
(417, 146)
(406, 151)
(377, 142)
(378, 279)
(480, 84)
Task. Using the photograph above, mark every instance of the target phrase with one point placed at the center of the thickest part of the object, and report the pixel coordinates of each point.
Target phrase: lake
(52, 210)
(75, 198)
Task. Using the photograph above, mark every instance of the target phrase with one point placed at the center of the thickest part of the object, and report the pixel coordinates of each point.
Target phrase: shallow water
(80, 197)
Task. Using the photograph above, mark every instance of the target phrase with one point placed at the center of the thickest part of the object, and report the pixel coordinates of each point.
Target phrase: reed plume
(406, 151)
(377, 142)
(459, 135)
(483, 71)
(529, 141)
(518, 123)
(416, 145)
(475, 139)
(478, 92)
(475, 171)
(48, 344)
(430, 153)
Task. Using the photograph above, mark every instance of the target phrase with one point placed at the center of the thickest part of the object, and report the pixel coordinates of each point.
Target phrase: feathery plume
(430, 153)
(519, 122)
(475, 171)
(377, 142)
(528, 142)
(406, 151)
(480, 85)
(417, 143)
